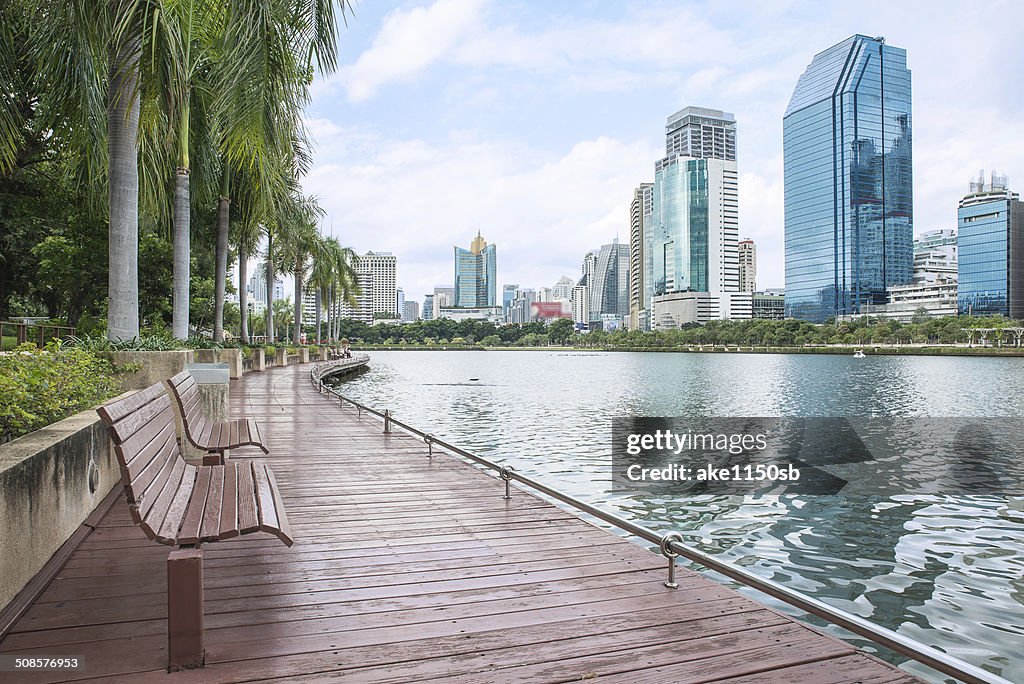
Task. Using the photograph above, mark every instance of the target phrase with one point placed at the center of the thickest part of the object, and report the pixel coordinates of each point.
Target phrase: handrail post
(506, 475)
(387, 421)
(429, 440)
(666, 550)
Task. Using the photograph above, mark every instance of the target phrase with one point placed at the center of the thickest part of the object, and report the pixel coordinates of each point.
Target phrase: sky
(532, 122)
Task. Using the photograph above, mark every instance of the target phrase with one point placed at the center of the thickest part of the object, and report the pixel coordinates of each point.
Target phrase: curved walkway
(408, 569)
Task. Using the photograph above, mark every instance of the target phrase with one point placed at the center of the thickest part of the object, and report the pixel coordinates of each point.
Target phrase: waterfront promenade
(411, 569)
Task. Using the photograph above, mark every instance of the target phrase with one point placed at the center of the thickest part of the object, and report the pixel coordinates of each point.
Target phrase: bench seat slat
(160, 495)
(210, 529)
(168, 532)
(248, 520)
(192, 520)
(229, 509)
(140, 473)
(115, 411)
(272, 515)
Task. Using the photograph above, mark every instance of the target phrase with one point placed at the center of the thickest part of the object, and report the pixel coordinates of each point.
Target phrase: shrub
(41, 386)
(270, 351)
(314, 350)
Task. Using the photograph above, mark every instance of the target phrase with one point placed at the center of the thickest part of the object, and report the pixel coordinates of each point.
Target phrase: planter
(205, 355)
(258, 362)
(50, 481)
(156, 366)
(304, 355)
(232, 357)
(282, 357)
(324, 351)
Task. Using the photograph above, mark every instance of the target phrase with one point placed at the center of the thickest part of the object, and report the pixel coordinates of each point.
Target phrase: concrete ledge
(258, 362)
(282, 357)
(156, 366)
(50, 481)
(232, 357)
(304, 355)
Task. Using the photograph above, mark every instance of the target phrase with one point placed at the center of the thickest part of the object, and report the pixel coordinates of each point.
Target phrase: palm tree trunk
(319, 317)
(243, 295)
(297, 335)
(270, 288)
(221, 256)
(334, 316)
(123, 246)
(182, 229)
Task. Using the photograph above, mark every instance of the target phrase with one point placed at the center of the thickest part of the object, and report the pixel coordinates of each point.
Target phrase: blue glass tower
(990, 251)
(476, 272)
(848, 180)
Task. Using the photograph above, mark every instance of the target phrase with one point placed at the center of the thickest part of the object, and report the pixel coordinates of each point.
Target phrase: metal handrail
(671, 546)
(315, 373)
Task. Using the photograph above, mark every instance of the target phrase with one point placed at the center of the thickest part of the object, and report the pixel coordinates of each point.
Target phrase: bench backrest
(142, 428)
(187, 395)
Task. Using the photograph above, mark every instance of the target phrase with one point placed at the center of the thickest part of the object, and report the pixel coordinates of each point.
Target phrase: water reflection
(945, 571)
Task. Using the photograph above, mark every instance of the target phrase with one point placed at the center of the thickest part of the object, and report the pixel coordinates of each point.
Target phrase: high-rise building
(580, 302)
(694, 226)
(257, 289)
(476, 275)
(376, 275)
(848, 187)
(444, 297)
(609, 286)
(748, 265)
(400, 295)
(508, 293)
(428, 307)
(562, 291)
(410, 311)
(640, 210)
(935, 255)
(990, 246)
(520, 310)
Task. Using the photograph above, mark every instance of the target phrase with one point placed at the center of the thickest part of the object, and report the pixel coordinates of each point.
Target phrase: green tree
(561, 330)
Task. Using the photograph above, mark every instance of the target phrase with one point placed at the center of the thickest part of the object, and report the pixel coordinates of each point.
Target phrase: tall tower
(990, 246)
(639, 219)
(694, 228)
(748, 265)
(476, 275)
(848, 181)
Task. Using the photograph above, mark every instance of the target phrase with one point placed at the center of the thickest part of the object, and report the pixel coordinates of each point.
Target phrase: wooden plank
(248, 519)
(116, 410)
(138, 419)
(192, 521)
(154, 502)
(210, 528)
(229, 507)
(272, 516)
(233, 437)
(145, 465)
(168, 532)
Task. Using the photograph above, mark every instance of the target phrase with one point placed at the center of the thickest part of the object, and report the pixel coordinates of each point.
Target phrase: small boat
(859, 354)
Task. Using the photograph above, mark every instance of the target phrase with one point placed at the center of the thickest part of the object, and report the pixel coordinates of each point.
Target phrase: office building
(410, 311)
(640, 210)
(562, 291)
(400, 294)
(257, 289)
(492, 314)
(747, 252)
(990, 250)
(691, 246)
(580, 303)
(768, 305)
(428, 307)
(476, 275)
(935, 255)
(376, 276)
(444, 297)
(609, 284)
(847, 180)
(508, 293)
(521, 307)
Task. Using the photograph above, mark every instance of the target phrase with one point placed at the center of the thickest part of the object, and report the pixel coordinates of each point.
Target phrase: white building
(747, 252)
(383, 267)
(581, 305)
(494, 314)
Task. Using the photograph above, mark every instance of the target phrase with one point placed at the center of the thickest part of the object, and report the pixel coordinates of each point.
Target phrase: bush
(270, 351)
(491, 341)
(41, 386)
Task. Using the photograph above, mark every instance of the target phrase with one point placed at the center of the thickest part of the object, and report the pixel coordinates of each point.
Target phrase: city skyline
(540, 139)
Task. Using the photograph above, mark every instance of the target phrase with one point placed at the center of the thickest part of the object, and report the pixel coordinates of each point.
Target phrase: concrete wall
(156, 366)
(45, 493)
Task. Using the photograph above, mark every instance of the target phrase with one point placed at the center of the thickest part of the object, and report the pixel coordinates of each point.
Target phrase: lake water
(947, 571)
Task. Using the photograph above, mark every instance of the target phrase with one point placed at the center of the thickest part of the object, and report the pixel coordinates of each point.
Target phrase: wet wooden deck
(408, 570)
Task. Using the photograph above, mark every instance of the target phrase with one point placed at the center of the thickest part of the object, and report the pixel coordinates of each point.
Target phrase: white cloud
(409, 41)
(542, 210)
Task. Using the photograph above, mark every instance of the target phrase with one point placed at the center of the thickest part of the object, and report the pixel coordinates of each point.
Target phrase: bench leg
(185, 648)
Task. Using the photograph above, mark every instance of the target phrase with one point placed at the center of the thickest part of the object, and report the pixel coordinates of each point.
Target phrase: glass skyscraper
(990, 247)
(690, 241)
(848, 181)
(476, 271)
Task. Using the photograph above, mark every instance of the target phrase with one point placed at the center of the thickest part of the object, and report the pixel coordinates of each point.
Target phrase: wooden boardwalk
(408, 570)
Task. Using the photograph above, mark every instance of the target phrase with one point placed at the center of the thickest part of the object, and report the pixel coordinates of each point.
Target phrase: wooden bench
(176, 503)
(211, 436)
